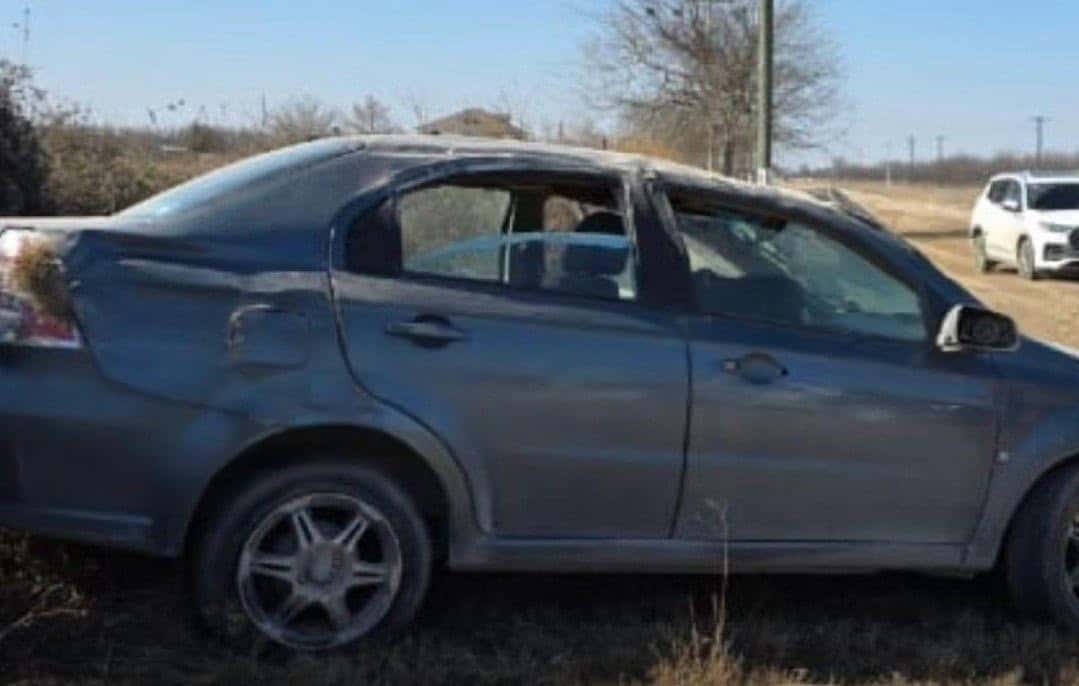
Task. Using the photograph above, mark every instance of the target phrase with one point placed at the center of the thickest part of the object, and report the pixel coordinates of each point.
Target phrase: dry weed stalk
(38, 273)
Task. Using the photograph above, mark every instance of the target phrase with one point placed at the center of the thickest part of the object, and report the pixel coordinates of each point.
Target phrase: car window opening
(565, 236)
(784, 272)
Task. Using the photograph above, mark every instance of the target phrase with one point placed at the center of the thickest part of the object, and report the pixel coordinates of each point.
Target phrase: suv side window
(528, 233)
(784, 272)
(996, 192)
(1013, 191)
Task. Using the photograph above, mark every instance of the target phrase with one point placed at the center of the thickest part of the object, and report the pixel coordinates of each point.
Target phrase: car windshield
(1053, 196)
(206, 188)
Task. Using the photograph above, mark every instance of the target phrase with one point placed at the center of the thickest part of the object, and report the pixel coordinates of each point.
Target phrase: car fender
(1040, 434)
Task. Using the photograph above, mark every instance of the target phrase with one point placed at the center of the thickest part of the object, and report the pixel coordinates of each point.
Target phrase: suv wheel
(1042, 555)
(1025, 260)
(982, 263)
(313, 557)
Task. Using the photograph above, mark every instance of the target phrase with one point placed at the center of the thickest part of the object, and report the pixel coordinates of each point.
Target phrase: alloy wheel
(319, 571)
(1071, 558)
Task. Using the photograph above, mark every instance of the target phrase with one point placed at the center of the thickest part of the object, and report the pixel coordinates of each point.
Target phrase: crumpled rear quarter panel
(203, 334)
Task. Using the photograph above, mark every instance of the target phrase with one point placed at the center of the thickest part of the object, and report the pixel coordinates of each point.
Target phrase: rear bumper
(85, 459)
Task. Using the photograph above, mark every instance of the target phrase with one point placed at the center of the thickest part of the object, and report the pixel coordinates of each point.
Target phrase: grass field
(70, 614)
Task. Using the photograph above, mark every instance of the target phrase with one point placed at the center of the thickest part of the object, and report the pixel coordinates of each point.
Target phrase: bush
(23, 163)
(96, 172)
(204, 138)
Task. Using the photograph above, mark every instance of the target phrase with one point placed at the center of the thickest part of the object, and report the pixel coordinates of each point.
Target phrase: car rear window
(208, 187)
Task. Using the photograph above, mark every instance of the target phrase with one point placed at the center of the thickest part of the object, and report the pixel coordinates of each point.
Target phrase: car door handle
(426, 329)
(758, 368)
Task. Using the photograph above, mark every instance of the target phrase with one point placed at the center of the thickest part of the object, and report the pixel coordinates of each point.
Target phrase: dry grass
(511, 629)
(38, 273)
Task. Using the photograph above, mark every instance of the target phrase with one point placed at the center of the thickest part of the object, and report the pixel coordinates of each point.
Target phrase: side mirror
(1010, 204)
(973, 328)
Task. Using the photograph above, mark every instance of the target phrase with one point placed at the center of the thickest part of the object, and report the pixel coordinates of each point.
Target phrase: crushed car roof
(462, 146)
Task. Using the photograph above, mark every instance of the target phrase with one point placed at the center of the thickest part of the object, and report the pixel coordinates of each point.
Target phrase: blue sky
(971, 70)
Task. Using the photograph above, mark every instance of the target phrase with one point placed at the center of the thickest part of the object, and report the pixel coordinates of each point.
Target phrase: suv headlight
(1056, 228)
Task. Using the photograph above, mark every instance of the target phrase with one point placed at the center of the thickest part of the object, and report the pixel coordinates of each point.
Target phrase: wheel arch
(990, 543)
(435, 496)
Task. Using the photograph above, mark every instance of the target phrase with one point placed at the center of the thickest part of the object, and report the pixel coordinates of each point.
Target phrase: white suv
(1027, 221)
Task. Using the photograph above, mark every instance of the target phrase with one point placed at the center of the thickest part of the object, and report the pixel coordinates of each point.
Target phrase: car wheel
(312, 557)
(1042, 554)
(1025, 260)
(982, 263)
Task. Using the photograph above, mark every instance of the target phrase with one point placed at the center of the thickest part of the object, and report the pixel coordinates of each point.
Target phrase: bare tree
(684, 72)
(417, 103)
(515, 103)
(371, 116)
(303, 119)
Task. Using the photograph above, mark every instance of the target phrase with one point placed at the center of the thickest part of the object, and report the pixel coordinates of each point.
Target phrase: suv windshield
(1053, 196)
(207, 187)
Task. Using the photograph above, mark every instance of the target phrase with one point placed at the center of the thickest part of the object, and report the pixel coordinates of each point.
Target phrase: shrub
(204, 138)
(23, 164)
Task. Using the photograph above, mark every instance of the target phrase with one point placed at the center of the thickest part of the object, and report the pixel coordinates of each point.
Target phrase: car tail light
(34, 309)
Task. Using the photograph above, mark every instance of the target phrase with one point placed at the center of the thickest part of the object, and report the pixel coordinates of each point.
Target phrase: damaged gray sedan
(321, 372)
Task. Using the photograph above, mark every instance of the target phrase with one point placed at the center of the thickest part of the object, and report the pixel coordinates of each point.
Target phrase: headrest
(604, 221)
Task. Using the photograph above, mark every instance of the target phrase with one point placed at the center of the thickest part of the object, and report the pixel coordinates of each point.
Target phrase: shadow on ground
(131, 623)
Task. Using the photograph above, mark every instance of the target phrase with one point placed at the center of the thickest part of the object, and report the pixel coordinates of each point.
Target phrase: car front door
(821, 409)
(995, 222)
(503, 311)
(1011, 220)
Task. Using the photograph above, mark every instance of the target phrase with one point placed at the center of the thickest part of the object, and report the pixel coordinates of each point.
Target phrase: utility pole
(912, 142)
(764, 104)
(940, 149)
(1039, 124)
(888, 167)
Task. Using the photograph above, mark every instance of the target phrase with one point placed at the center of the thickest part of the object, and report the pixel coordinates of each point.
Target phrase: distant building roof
(475, 121)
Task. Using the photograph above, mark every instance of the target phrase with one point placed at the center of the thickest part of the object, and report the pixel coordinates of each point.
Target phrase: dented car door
(505, 313)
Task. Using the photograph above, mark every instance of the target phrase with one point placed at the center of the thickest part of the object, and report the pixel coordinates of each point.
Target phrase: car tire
(982, 263)
(276, 561)
(1025, 260)
(1042, 553)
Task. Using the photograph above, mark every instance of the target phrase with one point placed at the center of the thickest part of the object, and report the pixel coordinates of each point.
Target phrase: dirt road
(936, 221)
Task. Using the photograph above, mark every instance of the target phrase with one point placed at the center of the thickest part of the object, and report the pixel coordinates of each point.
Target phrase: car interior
(566, 236)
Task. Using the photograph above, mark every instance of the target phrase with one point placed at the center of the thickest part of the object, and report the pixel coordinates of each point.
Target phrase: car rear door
(528, 350)
(821, 410)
